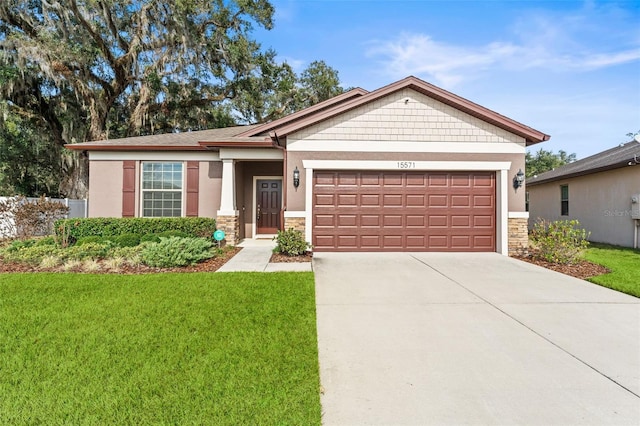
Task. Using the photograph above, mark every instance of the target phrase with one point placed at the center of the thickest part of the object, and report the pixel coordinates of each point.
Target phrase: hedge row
(74, 229)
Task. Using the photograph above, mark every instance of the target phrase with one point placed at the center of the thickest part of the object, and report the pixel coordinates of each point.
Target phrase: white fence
(77, 208)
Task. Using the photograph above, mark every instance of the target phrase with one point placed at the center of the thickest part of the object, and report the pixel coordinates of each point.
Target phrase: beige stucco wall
(407, 116)
(210, 184)
(600, 201)
(105, 189)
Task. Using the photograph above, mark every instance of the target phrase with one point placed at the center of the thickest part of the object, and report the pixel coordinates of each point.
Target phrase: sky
(570, 69)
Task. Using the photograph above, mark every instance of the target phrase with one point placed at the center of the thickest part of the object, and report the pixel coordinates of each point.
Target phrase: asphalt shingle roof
(613, 158)
(183, 139)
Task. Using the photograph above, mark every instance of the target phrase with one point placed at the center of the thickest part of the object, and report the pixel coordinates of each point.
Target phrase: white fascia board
(518, 215)
(403, 146)
(251, 154)
(152, 156)
(407, 165)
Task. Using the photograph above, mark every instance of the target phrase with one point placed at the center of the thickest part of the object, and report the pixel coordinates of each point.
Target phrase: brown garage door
(403, 211)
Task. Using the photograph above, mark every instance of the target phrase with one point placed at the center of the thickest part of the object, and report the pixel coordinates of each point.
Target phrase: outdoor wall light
(518, 179)
(296, 178)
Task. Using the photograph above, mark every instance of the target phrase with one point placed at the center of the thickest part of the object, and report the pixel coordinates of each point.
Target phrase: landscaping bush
(291, 242)
(154, 238)
(87, 251)
(562, 241)
(74, 229)
(86, 240)
(127, 240)
(19, 244)
(46, 241)
(31, 254)
(176, 251)
(180, 234)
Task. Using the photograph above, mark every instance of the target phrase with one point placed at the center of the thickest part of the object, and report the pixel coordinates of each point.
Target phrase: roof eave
(619, 165)
(110, 147)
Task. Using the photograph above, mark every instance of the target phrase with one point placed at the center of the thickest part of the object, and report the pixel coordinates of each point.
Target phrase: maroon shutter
(128, 188)
(193, 182)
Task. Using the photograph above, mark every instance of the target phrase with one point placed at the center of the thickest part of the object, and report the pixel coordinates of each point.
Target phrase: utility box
(635, 206)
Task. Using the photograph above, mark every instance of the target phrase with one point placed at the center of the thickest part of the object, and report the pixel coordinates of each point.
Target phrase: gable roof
(621, 156)
(264, 135)
(531, 135)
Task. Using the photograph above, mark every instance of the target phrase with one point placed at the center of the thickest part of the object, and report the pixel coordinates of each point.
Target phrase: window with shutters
(162, 184)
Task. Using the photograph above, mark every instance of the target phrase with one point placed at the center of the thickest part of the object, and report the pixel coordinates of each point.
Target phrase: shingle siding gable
(407, 115)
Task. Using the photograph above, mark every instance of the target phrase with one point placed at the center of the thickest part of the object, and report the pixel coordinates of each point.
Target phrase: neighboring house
(597, 191)
(408, 167)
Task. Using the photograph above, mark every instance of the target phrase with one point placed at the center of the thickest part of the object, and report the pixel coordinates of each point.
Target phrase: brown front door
(268, 205)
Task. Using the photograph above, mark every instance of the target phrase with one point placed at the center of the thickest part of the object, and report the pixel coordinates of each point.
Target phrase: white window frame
(181, 190)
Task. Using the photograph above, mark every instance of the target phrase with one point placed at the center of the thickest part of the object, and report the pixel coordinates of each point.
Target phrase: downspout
(276, 144)
(636, 223)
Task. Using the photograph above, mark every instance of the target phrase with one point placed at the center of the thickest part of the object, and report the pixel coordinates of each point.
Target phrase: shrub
(168, 234)
(562, 241)
(18, 245)
(46, 241)
(113, 227)
(175, 251)
(23, 218)
(131, 255)
(88, 251)
(154, 238)
(32, 254)
(291, 242)
(86, 240)
(127, 240)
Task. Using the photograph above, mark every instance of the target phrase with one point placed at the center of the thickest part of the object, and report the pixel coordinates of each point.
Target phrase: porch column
(228, 219)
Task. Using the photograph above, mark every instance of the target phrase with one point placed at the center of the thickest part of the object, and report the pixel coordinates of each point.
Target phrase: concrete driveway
(436, 338)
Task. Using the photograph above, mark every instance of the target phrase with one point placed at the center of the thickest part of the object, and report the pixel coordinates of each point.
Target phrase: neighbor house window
(161, 189)
(564, 200)
(526, 201)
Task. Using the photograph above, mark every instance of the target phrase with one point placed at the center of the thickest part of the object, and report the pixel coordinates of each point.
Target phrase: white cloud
(574, 42)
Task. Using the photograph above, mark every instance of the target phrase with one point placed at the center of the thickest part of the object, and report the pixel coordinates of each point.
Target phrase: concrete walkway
(449, 339)
(254, 257)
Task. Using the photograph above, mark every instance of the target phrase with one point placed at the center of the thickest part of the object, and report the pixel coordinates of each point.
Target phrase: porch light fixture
(296, 178)
(518, 179)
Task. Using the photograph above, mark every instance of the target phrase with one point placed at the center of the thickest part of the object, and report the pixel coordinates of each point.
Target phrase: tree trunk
(75, 182)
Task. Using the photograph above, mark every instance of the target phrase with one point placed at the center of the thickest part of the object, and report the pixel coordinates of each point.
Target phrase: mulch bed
(582, 269)
(210, 265)
(283, 258)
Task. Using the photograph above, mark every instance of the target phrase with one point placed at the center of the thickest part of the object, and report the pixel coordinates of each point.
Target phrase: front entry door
(268, 205)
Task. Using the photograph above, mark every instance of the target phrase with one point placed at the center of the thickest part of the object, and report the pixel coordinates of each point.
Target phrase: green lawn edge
(624, 264)
(183, 348)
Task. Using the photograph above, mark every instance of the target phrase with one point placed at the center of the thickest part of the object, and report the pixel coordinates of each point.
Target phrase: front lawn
(234, 348)
(624, 264)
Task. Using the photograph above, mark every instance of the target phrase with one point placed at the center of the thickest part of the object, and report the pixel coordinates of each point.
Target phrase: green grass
(233, 348)
(624, 264)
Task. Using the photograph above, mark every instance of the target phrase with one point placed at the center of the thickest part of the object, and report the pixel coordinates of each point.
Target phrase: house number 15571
(406, 164)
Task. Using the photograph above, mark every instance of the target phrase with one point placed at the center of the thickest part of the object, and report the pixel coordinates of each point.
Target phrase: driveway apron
(438, 338)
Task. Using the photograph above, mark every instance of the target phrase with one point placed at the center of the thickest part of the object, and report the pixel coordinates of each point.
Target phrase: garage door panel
(325, 220)
(440, 221)
(460, 201)
(396, 211)
(370, 220)
(415, 221)
(436, 201)
(347, 220)
(463, 181)
(416, 200)
(460, 221)
(389, 220)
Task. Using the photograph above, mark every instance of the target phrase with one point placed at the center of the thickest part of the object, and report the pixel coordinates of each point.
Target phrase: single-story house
(407, 167)
(599, 191)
